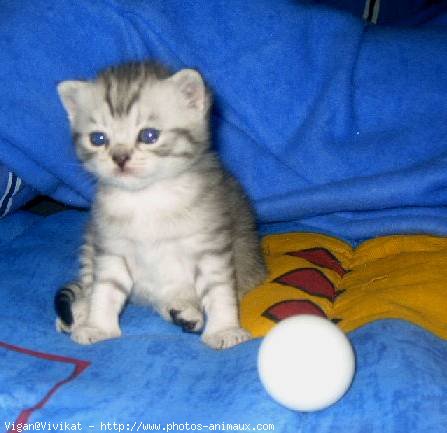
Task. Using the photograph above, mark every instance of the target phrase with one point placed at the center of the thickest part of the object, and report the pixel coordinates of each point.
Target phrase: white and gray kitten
(169, 226)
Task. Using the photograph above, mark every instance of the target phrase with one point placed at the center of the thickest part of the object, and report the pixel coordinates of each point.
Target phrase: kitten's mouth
(123, 172)
(127, 173)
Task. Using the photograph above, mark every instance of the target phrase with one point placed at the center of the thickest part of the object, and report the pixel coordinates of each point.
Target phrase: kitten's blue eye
(98, 138)
(148, 135)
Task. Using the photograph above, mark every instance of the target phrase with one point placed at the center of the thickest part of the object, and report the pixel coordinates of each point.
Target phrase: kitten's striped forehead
(123, 84)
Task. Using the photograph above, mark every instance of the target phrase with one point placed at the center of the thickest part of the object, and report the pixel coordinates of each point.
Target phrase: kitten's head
(137, 123)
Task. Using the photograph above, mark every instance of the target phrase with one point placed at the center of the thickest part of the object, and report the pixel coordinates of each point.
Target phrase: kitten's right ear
(74, 95)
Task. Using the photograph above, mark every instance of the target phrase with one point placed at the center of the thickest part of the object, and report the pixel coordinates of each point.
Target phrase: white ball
(306, 363)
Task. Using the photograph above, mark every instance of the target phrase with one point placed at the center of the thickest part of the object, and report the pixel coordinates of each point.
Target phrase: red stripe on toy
(320, 257)
(311, 281)
(79, 367)
(291, 307)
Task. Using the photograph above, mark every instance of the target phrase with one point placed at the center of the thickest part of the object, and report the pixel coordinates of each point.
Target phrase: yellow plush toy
(402, 277)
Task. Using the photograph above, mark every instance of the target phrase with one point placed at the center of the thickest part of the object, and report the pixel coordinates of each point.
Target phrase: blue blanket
(155, 374)
(330, 125)
(395, 12)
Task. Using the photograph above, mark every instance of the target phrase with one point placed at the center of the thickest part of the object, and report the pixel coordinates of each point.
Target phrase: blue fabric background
(395, 12)
(155, 373)
(330, 125)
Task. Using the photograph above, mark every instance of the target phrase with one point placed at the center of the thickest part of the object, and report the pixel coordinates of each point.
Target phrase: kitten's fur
(168, 225)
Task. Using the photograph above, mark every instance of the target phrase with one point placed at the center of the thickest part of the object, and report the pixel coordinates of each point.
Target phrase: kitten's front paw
(225, 338)
(85, 334)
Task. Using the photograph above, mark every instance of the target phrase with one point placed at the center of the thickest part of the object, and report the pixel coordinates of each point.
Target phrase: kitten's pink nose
(120, 159)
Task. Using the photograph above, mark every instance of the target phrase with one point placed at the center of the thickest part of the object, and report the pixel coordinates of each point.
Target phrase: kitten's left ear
(191, 85)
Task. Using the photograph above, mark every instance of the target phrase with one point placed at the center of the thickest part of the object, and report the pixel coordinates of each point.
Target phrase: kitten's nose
(120, 159)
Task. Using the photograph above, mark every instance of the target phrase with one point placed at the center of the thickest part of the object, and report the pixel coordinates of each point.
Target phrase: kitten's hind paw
(186, 325)
(225, 338)
(61, 326)
(189, 317)
(85, 334)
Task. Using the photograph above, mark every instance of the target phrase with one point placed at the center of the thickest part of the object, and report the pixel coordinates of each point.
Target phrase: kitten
(168, 226)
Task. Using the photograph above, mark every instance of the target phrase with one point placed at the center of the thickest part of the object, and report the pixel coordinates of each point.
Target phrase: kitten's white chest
(153, 230)
(151, 215)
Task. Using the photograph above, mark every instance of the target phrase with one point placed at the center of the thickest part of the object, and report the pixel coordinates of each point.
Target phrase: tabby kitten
(168, 226)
